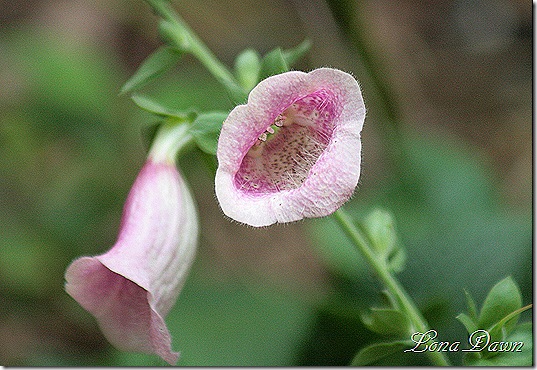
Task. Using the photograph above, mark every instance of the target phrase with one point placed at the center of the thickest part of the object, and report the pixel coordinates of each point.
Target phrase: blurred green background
(447, 147)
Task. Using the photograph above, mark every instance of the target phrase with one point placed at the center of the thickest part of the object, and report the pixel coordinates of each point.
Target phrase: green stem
(180, 34)
(392, 284)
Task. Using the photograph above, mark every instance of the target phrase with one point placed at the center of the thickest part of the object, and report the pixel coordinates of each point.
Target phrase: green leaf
(472, 307)
(291, 56)
(518, 350)
(153, 66)
(499, 330)
(273, 63)
(386, 321)
(154, 107)
(377, 351)
(206, 128)
(248, 68)
(503, 298)
(278, 61)
(467, 321)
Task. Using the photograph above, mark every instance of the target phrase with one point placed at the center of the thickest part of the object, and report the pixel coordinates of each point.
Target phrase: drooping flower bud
(132, 287)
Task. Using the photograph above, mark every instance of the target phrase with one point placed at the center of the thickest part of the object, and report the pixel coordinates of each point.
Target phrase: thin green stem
(180, 34)
(392, 284)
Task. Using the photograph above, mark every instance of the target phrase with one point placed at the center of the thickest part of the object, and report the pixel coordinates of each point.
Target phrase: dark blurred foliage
(447, 147)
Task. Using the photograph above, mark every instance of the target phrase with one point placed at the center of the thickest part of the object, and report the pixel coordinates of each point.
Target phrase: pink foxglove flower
(293, 150)
(132, 287)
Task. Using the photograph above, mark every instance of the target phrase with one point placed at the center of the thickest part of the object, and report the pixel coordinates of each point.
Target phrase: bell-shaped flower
(293, 150)
(132, 287)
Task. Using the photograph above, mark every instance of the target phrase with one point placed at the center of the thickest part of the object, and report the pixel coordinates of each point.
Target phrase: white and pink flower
(132, 287)
(293, 150)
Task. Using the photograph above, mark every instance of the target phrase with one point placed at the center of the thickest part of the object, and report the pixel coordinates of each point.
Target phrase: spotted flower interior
(282, 156)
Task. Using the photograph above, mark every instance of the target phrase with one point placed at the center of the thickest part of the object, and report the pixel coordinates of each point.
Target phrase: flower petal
(311, 166)
(132, 287)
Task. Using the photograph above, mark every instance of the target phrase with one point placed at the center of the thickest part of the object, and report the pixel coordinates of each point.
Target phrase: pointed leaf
(498, 332)
(467, 321)
(291, 56)
(152, 67)
(152, 106)
(273, 63)
(517, 350)
(206, 128)
(247, 68)
(503, 298)
(472, 308)
(377, 351)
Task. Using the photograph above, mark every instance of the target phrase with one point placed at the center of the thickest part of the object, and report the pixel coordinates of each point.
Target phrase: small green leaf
(206, 128)
(153, 66)
(387, 321)
(151, 106)
(273, 63)
(503, 298)
(291, 56)
(499, 330)
(467, 321)
(377, 351)
(248, 68)
(516, 350)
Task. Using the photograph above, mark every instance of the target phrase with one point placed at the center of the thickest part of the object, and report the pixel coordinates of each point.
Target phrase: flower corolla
(293, 151)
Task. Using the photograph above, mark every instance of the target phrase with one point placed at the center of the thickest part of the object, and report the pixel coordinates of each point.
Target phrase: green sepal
(387, 321)
(152, 67)
(205, 130)
(503, 298)
(377, 351)
(157, 108)
(248, 68)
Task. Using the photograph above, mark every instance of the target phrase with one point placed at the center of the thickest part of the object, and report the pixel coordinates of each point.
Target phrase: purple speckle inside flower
(282, 156)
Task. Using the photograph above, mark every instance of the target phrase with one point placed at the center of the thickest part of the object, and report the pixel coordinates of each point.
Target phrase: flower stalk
(181, 36)
(379, 265)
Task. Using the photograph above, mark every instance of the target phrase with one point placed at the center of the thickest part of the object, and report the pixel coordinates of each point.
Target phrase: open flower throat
(293, 150)
(282, 156)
